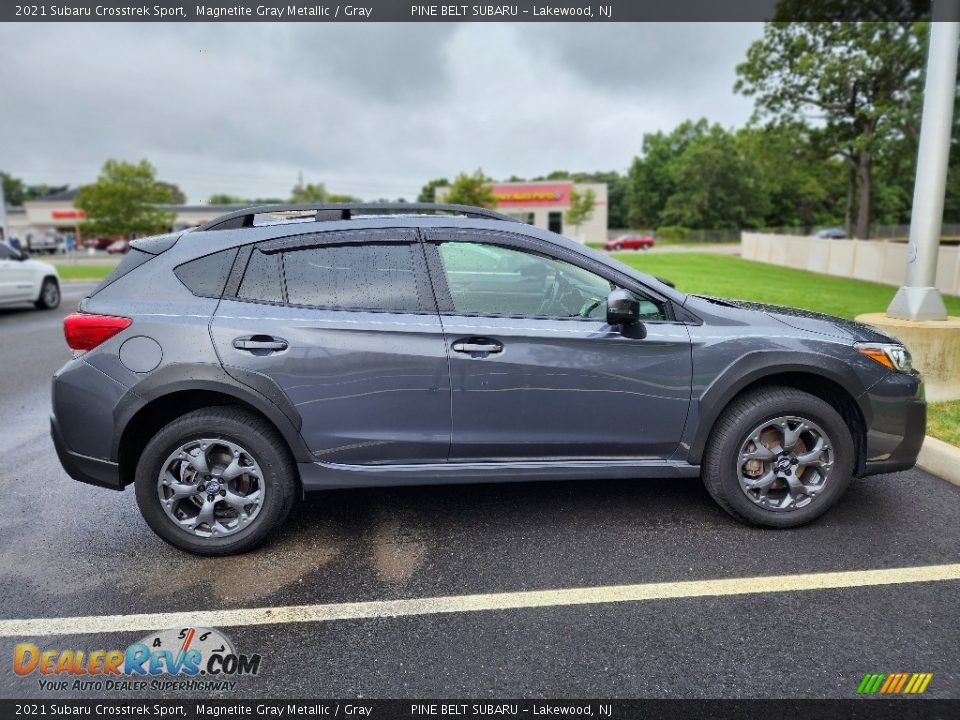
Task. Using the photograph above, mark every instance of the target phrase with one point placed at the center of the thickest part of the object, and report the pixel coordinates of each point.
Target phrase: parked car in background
(41, 243)
(834, 233)
(227, 370)
(118, 246)
(629, 242)
(97, 243)
(23, 280)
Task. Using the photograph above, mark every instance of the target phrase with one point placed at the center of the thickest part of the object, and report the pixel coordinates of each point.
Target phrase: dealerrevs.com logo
(190, 658)
(894, 683)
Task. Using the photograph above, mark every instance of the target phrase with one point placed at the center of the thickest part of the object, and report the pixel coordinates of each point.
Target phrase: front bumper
(897, 425)
(93, 471)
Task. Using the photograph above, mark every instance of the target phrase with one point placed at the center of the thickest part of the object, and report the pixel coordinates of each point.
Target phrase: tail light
(84, 331)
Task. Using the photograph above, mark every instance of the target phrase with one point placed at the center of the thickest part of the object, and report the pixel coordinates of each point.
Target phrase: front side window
(354, 277)
(486, 279)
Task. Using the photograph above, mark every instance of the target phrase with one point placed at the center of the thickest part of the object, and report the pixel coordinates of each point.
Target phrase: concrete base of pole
(917, 303)
(935, 347)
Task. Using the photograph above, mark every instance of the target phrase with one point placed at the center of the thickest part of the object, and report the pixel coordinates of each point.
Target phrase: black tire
(238, 426)
(49, 295)
(618, 247)
(721, 455)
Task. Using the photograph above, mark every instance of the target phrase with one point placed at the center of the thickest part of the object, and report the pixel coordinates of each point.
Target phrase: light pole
(3, 217)
(919, 298)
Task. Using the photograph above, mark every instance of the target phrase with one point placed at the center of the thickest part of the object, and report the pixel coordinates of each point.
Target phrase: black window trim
(436, 236)
(352, 236)
(426, 298)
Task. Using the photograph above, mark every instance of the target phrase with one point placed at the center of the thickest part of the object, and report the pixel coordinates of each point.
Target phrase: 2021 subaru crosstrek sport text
(227, 370)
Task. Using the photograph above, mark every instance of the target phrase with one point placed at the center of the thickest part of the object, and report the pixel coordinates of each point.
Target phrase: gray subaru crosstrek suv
(227, 370)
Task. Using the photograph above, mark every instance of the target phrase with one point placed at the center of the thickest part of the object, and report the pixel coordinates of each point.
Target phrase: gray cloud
(373, 110)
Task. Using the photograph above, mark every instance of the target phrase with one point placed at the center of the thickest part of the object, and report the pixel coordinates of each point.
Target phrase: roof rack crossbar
(344, 211)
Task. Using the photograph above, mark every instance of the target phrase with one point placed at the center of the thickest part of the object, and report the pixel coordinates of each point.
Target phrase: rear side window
(354, 277)
(261, 279)
(207, 276)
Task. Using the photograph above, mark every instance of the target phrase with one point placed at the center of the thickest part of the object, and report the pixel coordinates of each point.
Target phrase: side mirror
(622, 308)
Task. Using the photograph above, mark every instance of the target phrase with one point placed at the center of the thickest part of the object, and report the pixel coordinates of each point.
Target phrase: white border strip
(99, 624)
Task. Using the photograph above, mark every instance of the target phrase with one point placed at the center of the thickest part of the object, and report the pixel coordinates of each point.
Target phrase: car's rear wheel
(215, 481)
(49, 295)
(778, 457)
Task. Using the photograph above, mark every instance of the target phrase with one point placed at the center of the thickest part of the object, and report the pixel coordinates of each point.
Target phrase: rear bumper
(896, 431)
(93, 471)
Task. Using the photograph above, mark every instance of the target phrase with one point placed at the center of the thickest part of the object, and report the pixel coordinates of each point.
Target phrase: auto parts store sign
(532, 194)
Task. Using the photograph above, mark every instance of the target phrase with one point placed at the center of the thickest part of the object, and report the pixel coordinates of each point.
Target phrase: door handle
(261, 343)
(477, 345)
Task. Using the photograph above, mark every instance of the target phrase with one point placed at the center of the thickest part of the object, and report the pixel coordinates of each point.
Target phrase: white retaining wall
(879, 261)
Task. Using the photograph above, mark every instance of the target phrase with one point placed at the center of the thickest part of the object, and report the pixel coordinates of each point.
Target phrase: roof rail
(344, 211)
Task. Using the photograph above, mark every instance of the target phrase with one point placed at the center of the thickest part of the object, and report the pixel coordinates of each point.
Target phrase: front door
(345, 324)
(17, 281)
(536, 372)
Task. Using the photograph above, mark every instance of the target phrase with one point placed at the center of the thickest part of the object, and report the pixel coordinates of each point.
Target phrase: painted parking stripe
(475, 603)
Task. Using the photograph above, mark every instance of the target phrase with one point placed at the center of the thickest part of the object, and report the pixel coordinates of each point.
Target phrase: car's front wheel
(215, 481)
(778, 457)
(49, 295)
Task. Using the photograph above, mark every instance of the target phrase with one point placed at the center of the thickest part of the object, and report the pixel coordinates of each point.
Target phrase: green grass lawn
(943, 421)
(84, 272)
(728, 276)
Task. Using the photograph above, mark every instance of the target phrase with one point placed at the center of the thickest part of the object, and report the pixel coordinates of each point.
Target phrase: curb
(940, 459)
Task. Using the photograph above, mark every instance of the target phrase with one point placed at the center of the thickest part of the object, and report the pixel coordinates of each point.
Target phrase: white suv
(23, 280)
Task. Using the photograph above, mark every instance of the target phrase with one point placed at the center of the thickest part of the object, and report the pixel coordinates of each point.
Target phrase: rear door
(346, 325)
(536, 372)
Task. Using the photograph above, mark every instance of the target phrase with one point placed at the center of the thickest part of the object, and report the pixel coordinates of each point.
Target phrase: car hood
(40, 266)
(811, 321)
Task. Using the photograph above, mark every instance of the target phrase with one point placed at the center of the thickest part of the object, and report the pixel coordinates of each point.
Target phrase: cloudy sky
(372, 110)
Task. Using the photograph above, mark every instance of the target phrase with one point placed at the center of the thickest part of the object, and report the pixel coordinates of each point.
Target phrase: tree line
(832, 141)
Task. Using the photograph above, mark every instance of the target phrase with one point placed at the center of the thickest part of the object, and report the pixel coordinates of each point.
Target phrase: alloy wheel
(785, 463)
(51, 294)
(211, 487)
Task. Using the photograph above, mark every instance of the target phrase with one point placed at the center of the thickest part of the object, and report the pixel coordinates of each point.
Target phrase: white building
(545, 204)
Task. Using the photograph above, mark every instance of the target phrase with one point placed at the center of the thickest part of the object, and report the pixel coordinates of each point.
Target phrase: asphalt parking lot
(72, 550)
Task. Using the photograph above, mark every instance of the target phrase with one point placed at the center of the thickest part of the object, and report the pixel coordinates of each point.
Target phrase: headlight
(890, 355)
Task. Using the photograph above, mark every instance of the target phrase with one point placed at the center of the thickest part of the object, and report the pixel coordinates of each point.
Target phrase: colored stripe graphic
(894, 683)
(889, 683)
(871, 683)
(915, 682)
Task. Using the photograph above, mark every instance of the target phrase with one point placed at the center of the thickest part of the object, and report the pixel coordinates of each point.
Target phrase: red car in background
(118, 246)
(629, 242)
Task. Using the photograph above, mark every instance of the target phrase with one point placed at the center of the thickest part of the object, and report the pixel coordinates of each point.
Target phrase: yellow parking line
(475, 603)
